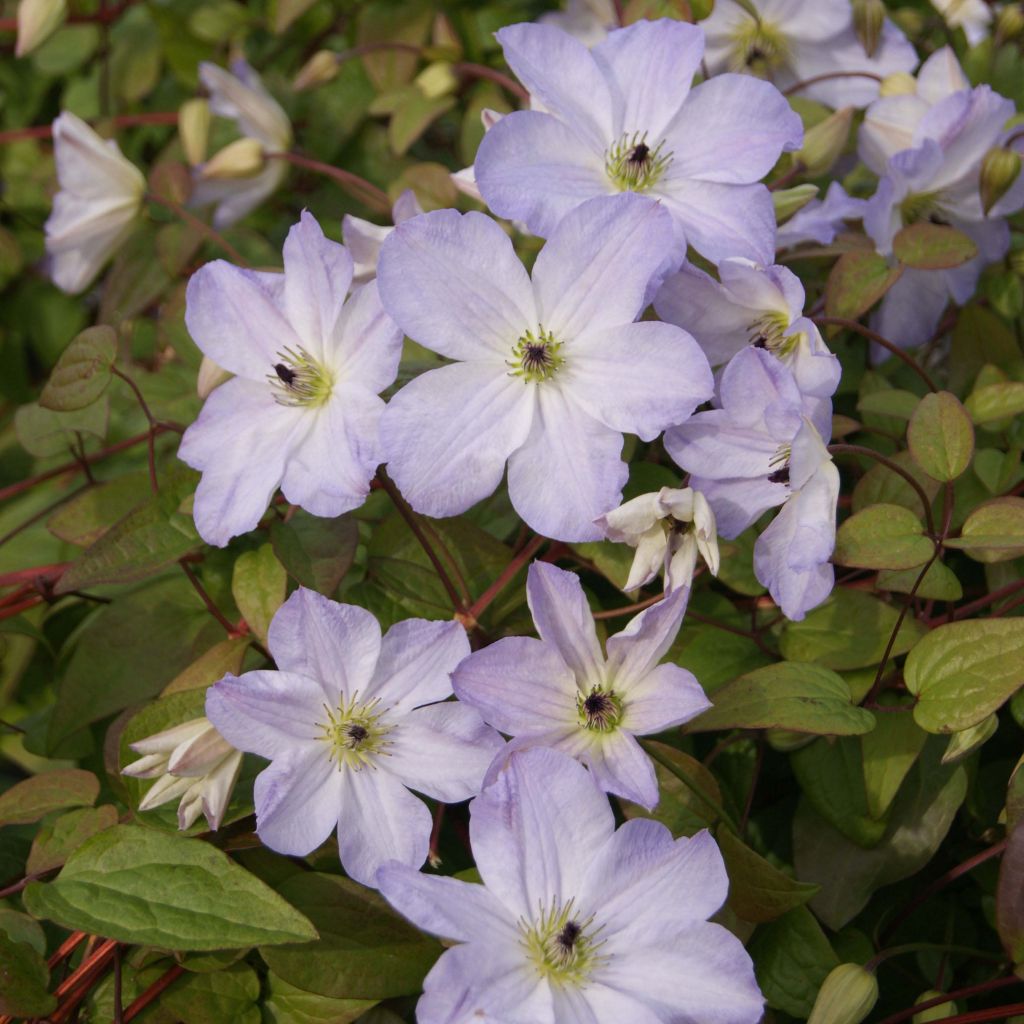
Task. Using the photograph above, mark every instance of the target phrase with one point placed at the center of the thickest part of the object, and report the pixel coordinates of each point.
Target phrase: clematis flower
(363, 238)
(821, 219)
(758, 450)
(668, 529)
(191, 761)
(548, 372)
(240, 96)
(350, 723)
(973, 16)
(622, 117)
(790, 41)
(302, 411)
(576, 921)
(97, 206)
(754, 305)
(561, 692)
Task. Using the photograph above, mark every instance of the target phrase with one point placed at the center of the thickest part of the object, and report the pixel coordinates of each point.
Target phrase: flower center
(600, 710)
(779, 464)
(535, 357)
(354, 733)
(298, 379)
(758, 48)
(563, 948)
(634, 166)
(769, 332)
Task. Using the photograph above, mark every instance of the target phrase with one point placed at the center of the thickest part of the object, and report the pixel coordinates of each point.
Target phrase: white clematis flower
(363, 238)
(96, 208)
(973, 16)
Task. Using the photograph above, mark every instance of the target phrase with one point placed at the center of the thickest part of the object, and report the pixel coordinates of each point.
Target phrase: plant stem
(45, 131)
(961, 993)
(154, 990)
(200, 225)
(207, 600)
(628, 609)
(798, 86)
(359, 188)
(483, 602)
(878, 339)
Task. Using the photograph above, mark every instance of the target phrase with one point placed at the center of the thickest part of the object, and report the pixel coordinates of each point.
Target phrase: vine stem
(207, 230)
(961, 993)
(628, 609)
(982, 1016)
(211, 607)
(878, 339)
(366, 192)
(996, 595)
(804, 83)
(164, 981)
(45, 131)
(151, 434)
(483, 602)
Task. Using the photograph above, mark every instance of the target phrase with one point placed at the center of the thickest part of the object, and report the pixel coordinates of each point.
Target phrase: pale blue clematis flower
(351, 722)
(549, 372)
(758, 450)
(562, 692)
(363, 238)
(302, 411)
(623, 117)
(576, 921)
(821, 219)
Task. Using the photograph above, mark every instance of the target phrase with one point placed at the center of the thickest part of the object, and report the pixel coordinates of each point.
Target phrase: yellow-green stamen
(298, 379)
(535, 357)
(632, 165)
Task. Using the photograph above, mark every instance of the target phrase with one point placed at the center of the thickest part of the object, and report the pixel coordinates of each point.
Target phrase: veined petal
(665, 697)
(447, 434)
(620, 766)
(297, 800)
(640, 378)
(453, 283)
(739, 503)
(243, 98)
(416, 662)
(637, 649)
(92, 167)
(367, 343)
(597, 1004)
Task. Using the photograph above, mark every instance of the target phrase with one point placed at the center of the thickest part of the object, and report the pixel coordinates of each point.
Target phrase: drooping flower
(562, 692)
(790, 41)
(576, 921)
(973, 16)
(758, 450)
(622, 117)
(363, 238)
(821, 219)
(97, 206)
(302, 411)
(548, 372)
(760, 306)
(351, 722)
(668, 529)
(240, 96)
(191, 761)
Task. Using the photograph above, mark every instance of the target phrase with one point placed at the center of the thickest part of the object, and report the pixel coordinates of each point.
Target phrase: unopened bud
(941, 1011)
(825, 142)
(846, 996)
(437, 80)
(194, 129)
(239, 159)
(318, 70)
(210, 375)
(900, 83)
(868, 20)
(999, 170)
(287, 11)
(788, 200)
(37, 20)
(1010, 22)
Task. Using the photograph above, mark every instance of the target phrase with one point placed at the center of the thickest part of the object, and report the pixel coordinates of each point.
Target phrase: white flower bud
(37, 21)
(825, 142)
(321, 68)
(239, 159)
(194, 129)
(210, 376)
(846, 996)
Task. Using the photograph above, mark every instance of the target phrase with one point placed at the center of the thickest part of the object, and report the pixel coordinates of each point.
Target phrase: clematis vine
(363, 238)
(791, 41)
(760, 306)
(623, 117)
(240, 96)
(302, 412)
(575, 920)
(97, 207)
(668, 529)
(562, 692)
(758, 450)
(549, 372)
(191, 761)
(351, 722)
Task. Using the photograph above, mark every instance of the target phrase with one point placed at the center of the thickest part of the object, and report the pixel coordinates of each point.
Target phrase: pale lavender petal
(634, 652)
(453, 283)
(738, 504)
(336, 644)
(710, 446)
(447, 434)
(443, 751)
(416, 662)
(666, 697)
(596, 1003)
(367, 343)
(911, 309)
(620, 766)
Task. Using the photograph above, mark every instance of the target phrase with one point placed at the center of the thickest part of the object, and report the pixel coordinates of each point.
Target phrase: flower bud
(194, 129)
(788, 201)
(1010, 22)
(318, 70)
(846, 996)
(938, 1012)
(900, 83)
(37, 20)
(287, 11)
(239, 159)
(437, 80)
(825, 142)
(999, 170)
(210, 376)
(868, 19)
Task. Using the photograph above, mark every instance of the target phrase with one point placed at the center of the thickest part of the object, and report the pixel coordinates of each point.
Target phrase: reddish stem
(154, 990)
(481, 604)
(628, 609)
(798, 86)
(946, 997)
(366, 192)
(44, 131)
(878, 339)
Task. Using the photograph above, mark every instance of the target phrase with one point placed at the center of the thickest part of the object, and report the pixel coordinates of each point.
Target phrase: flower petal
(416, 663)
(367, 343)
(297, 800)
(620, 766)
(665, 697)
(637, 649)
(89, 166)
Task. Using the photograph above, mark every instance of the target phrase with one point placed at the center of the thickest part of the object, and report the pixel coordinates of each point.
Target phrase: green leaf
(613, 561)
(24, 979)
(690, 796)
(927, 246)
(758, 891)
(889, 751)
(83, 371)
(34, 798)
(882, 537)
(850, 630)
(941, 436)
(288, 1004)
(151, 888)
(996, 402)
(85, 519)
(55, 842)
(316, 552)
(880, 485)
(258, 585)
(797, 697)
(962, 744)
(150, 537)
(1010, 896)
(43, 433)
(963, 671)
(211, 666)
(413, 116)
(857, 281)
(21, 928)
(215, 997)
(888, 402)
(365, 951)
(939, 583)
(994, 531)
